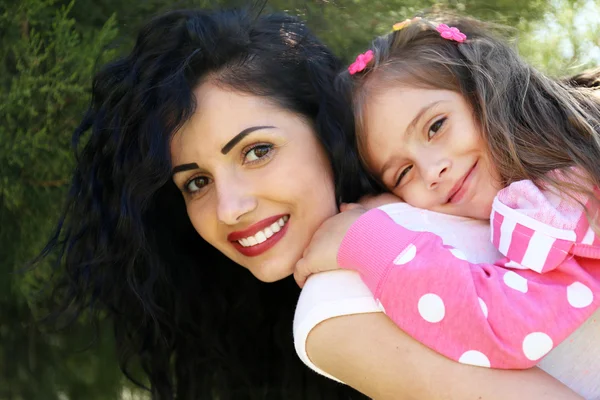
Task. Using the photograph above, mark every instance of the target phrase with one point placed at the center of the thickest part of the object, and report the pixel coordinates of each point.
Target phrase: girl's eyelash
(439, 122)
(402, 175)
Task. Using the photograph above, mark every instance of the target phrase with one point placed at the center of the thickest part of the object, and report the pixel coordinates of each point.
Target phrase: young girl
(450, 119)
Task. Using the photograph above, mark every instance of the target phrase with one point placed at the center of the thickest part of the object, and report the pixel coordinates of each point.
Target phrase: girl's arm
(381, 361)
(479, 314)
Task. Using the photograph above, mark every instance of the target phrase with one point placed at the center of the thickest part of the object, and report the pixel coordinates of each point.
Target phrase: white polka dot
(474, 357)
(536, 345)
(515, 281)
(458, 254)
(380, 306)
(483, 307)
(515, 265)
(431, 307)
(579, 295)
(407, 255)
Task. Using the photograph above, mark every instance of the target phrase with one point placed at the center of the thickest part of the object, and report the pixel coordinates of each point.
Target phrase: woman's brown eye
(261, 152)
(196, 184)
(258, 152)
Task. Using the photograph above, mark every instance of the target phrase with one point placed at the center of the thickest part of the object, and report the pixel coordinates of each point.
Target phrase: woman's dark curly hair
(200, 326)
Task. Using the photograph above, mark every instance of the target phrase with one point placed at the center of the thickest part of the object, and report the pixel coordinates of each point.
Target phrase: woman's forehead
(224, 117)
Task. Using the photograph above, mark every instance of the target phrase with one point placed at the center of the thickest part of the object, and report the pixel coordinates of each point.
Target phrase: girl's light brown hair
(532, 124)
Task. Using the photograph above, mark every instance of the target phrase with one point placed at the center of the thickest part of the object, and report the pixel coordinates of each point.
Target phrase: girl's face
(426, 147)
(256, 181)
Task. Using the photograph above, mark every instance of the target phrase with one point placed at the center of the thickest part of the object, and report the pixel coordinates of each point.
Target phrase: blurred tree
(566, 39)
(49, 51)
(45, 76)
(346, 25)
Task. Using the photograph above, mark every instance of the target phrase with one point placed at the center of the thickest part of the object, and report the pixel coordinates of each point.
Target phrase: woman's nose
(234, 201)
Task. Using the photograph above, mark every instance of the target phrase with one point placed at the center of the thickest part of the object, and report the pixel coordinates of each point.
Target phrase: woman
(232, 118)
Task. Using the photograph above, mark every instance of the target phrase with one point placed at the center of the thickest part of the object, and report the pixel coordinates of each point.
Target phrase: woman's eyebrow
(184, 167)
(235, 140)
(240, 136)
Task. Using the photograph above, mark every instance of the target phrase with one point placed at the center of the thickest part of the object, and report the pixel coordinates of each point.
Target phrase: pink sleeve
(539, 230)
(479, 314)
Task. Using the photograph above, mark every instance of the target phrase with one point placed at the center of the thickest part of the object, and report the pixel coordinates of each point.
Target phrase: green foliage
(46, 76)
(565, 41)
(349, 25)
(50, 50)
(44, 79)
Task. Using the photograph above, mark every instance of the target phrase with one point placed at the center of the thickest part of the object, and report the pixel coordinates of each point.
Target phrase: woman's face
(256, 181)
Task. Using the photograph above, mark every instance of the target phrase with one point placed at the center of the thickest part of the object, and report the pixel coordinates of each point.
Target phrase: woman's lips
(462, 187)
(261, 236)
(254, 229)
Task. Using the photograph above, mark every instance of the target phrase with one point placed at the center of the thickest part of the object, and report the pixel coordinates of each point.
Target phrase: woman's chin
(271, 273)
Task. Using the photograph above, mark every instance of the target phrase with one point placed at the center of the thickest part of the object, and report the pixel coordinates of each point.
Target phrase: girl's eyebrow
(417, 118)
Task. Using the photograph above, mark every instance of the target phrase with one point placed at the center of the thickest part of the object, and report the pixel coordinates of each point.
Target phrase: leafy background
(50, 50)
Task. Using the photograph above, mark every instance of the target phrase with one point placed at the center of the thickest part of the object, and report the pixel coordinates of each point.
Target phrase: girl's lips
(258, 249)
(462, 187)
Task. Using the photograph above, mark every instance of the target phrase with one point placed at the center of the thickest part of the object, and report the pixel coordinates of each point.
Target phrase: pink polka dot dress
(507, 315)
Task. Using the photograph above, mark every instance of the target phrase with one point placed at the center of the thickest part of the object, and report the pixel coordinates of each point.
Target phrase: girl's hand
(321, 253)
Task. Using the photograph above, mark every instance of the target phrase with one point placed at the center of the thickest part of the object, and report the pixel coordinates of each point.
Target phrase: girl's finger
(300, 275)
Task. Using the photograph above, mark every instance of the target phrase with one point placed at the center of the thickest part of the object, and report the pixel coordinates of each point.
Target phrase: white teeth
(260, 237)
(275, 227)
(266, 233)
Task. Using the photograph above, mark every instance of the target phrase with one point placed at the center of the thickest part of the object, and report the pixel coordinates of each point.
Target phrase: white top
(575, 362)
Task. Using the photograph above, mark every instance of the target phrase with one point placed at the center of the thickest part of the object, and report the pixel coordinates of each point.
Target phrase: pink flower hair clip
(451, 33)
(361, 62)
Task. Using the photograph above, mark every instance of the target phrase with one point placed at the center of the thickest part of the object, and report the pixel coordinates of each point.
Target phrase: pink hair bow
(361, 62)
(451, 33)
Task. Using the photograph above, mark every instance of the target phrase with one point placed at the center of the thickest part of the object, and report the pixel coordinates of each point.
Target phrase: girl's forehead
(393, 115)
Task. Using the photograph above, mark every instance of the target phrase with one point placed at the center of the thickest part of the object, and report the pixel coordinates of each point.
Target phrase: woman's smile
(261, 236)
